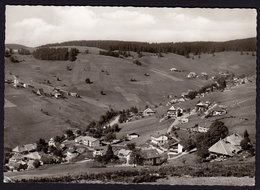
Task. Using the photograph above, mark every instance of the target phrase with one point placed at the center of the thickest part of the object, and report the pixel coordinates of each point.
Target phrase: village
(77, 146)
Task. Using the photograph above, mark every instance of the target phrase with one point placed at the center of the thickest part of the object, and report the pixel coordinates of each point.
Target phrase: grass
(31, 124)
(151, 175)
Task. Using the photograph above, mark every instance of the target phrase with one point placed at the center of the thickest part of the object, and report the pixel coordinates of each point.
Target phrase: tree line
(47, 53)
(181, 48)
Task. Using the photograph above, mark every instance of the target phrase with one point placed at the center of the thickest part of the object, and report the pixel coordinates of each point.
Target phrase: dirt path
(93, 102)
(166, 75)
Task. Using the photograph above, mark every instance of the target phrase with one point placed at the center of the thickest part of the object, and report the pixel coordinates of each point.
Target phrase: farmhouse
(90, 141)
(228, 146)
(151, 157)
(182, 99)
(192, 75)
(198, 129)
(174, 112)
(70, 154)
(173, 69)
(159, 140)
(202, 106)
(132, 136)
(79, 139)
(124, 155)
(175, 150)
(15, 158)
(217, 111)
(40, 92)
(184, 120)
(224, 74)
(202, 129)
(73, 94)
(204, 74)
(52, 142)
(148, 112)
(30, 164)
(16, 82)
(57, 95)
(99, 151)
(33, 156)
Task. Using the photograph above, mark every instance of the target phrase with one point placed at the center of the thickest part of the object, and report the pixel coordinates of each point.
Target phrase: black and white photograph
(130, 95)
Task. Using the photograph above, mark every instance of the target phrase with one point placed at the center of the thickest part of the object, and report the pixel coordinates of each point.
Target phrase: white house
(132, 136)
(124, 154)
(181, 99)
(203, 129)
(180, 148)
(159, 140)
(79, 139)
(192, 75)
(184, 120)
(173, 69)
(70, 154)
(52, 142)
(148, 112)
(174, 112)
(99, 151)
(74, 94)
(33, 156)
(16, 82)
(90, 141)
(202, 106)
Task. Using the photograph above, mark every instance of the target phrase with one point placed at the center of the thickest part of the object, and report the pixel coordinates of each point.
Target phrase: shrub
(14, 59)
(137, 62)
(36, 163)
(88, 81)
(192, 94)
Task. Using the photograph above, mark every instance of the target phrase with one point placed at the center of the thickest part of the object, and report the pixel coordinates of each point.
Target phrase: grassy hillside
(108, 74)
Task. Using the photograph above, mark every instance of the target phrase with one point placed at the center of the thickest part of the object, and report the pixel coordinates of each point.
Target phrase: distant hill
(15, 46)
(181, 48)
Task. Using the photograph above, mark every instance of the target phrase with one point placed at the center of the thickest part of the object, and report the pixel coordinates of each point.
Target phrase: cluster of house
(238, 81)
(208, 108)
(23, 157)
(17, 84)
(56, 92)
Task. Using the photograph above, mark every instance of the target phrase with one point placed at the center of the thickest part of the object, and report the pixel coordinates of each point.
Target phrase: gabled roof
(33, 155)
(202, 104)
(79, 138)
(158, 135)
(172, 108)
(149, 110)
(23, 148)
(234, 139)
(217, 108)
(150, 153)
(133, 134)
(88, 138)
(17, 157)
(124, 152)
(228, 146)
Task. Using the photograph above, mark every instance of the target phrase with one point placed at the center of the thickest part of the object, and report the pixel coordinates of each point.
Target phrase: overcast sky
(37, 25)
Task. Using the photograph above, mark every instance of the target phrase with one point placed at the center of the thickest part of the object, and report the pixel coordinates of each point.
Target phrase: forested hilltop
(181, 48)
